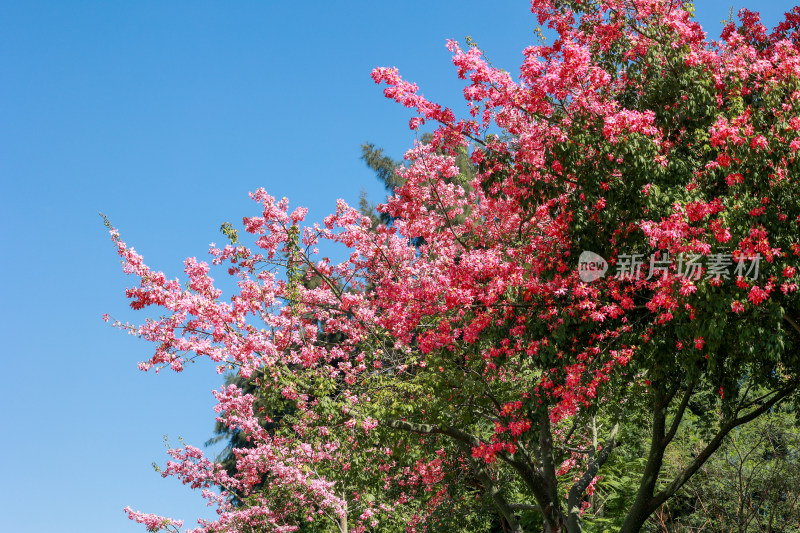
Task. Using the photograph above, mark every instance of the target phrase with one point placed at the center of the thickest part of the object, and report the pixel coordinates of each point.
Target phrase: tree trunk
(341, 522)
(639, 511)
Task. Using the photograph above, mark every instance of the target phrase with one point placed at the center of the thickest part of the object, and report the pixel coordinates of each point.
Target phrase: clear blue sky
(163, 115)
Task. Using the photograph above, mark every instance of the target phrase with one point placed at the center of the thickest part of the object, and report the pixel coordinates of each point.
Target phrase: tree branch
(580, 486)
(414, 427)
(492, 490)
(791, 321)
(712, 446)
(673, 428)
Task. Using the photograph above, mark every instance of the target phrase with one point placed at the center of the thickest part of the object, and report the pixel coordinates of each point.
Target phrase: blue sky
(163, 115)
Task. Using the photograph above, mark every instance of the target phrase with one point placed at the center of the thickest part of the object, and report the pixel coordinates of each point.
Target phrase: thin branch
(791, 321)
(492, 490)
(580, 486)
(712, 447)
(673, 428)
(524, 507)
(415, 427)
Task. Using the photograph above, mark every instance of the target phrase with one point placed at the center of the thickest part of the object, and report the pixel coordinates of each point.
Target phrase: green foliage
(751, 484)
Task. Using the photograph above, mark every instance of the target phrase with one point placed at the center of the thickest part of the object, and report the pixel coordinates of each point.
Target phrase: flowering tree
(626, 250)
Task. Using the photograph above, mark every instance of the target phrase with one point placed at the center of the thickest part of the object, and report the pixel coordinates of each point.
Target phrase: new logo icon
(591, 267)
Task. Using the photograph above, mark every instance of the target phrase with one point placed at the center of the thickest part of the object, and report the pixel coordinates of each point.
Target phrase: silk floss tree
(626, 250)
